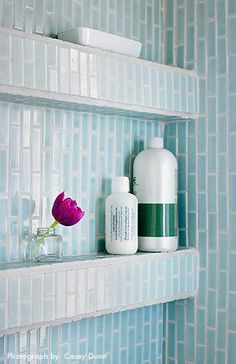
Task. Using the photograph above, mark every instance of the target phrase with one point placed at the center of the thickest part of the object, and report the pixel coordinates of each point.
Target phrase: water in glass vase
(46, 245)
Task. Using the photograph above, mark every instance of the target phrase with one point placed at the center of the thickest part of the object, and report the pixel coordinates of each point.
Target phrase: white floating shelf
(42, 71)
(32, 294)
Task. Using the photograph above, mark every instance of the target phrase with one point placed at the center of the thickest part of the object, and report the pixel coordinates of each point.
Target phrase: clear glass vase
(46, 245)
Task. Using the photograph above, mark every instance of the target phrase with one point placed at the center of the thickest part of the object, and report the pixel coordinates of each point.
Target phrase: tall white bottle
(155, 186)
(121, 219)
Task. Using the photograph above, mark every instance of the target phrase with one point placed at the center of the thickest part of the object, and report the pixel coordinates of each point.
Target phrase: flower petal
(73, 219)
(58, 211)
(58, 200)
(66, 211)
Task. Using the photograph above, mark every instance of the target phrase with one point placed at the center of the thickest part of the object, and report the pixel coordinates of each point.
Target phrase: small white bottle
(155, 186)
(121, 219)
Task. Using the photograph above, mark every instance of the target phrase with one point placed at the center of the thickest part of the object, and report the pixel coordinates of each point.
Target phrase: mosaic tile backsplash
(43, 141)
(42, 64)
(126, 337)
(136, 19)
(202, 35)
(45, 151)
(198, 34)
(85, 288)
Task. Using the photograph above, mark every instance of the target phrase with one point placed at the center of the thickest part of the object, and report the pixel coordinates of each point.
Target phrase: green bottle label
(157, 220)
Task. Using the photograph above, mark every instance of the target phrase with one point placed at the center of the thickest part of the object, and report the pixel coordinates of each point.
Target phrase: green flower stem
(40, 241)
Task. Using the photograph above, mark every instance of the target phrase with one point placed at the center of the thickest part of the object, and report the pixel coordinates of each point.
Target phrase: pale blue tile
(180, 25)
(2, 346)
(180, 320)
(202, 291)
(201, 325)
(202, 175)
(201, 62)
(232, 266)
(211, 339)
(222, 175)
(171, 340)
(180, 352)
(221, 17)
(190, 340)
(221, 52)
(190, 44)
(232, 74)
(201, 131)
(7, 15)
(5, 45)
(232, 112)
(202, 246)
(182, 138)
(231, 35)
(221, 339)
(201, 24)
(222, 290)
(231, 347)
(191, 154)
(131, 338)
(211, 79)
(192, 228)
(232, 230)
(190, 11)
(232, 153)
(3, 168)
(212, 193)
(200, 355)
(222, 87)
(180, 56)
(220, 357)
(231, 7)
(3, 317)
(232, 201)
(182, 173)
(211, 115)
(223, 259)
(211, 309)
(39, 17)
(202, 97)
(191, 192)
(212, 228)
(40, 65)
(182, 209)
(211, 52)
(212, 154)
(222, 139)
(223, 208)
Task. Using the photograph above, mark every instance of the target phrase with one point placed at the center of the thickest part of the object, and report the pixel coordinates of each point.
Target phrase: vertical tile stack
(203, 36)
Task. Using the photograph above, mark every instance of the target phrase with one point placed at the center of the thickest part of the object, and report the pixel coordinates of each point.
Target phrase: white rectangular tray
(98, 39)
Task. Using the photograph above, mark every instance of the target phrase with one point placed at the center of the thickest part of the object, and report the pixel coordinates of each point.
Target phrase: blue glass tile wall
(203, 36)
(136, 19)
(127, 337)
(45, 151)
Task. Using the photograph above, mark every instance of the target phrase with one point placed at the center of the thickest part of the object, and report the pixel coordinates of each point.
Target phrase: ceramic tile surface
(49, 294)
(46, 151)
(45, 65)
(139, 20)
(198, 35)
(203, 36)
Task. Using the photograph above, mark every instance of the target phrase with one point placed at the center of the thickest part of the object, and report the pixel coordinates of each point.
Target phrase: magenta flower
(65, 210)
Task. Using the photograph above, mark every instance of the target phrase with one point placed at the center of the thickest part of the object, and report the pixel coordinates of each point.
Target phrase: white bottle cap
(155, 142)
(121, 184)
